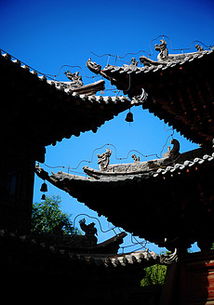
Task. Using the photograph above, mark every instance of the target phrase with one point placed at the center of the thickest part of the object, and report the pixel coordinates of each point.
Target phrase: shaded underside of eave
(153, 208)
(199, 131)
(181, 95)
(50, 114)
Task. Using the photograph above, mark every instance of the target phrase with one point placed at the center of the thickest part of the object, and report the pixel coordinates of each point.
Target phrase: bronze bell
(43, 197)
(44, 187)
(129, 117)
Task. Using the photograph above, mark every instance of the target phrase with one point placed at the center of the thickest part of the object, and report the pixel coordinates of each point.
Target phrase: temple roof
(81, 244)
(179, 89)
(42, 248)
(154, 66)
(168, 189)
(46, 111)
(57, 270)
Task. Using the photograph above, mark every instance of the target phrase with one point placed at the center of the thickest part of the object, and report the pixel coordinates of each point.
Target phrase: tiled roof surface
(143, 258)
(184, 162)
(180, 91)
(61, 85)
(50, 110)
(186, 165)
(131, 69)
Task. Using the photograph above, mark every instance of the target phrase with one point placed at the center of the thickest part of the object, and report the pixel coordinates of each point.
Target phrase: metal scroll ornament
(168, 259)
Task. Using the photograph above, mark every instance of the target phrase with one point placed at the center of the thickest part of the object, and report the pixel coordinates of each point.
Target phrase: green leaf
(47, 217)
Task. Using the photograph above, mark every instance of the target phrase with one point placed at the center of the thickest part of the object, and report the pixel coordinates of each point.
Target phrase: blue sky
(47, 35)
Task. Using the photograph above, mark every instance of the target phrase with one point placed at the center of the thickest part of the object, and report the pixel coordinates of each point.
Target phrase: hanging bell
(43, 197)
(129, 117)
(44, 187)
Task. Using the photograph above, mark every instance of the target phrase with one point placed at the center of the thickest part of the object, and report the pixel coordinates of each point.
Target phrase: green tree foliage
(155, 275)
(47, 217)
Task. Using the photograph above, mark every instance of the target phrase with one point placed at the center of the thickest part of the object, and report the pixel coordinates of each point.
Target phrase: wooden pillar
(190, 281)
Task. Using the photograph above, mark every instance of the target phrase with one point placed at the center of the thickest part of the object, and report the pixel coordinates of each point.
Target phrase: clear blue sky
(50, 34)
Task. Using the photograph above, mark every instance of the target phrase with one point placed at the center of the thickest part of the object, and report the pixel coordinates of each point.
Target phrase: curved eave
(90, 89)
(142, 203)
(181, 93)
(120, 75)
(48, 111)
(117, 72)
(35, 249)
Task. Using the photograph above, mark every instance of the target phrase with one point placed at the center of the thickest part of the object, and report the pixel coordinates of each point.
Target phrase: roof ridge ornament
(199, 48)
(162, 48)
(140, 98)
(175, 151)
(165, 58)
(76, 79)
(89, 230)
(135, 158)
(134, 62)
(77, 86)
(104, 159)
(93, 66)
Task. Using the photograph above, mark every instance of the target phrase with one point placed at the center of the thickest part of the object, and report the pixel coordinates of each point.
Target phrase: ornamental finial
(104, 159)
